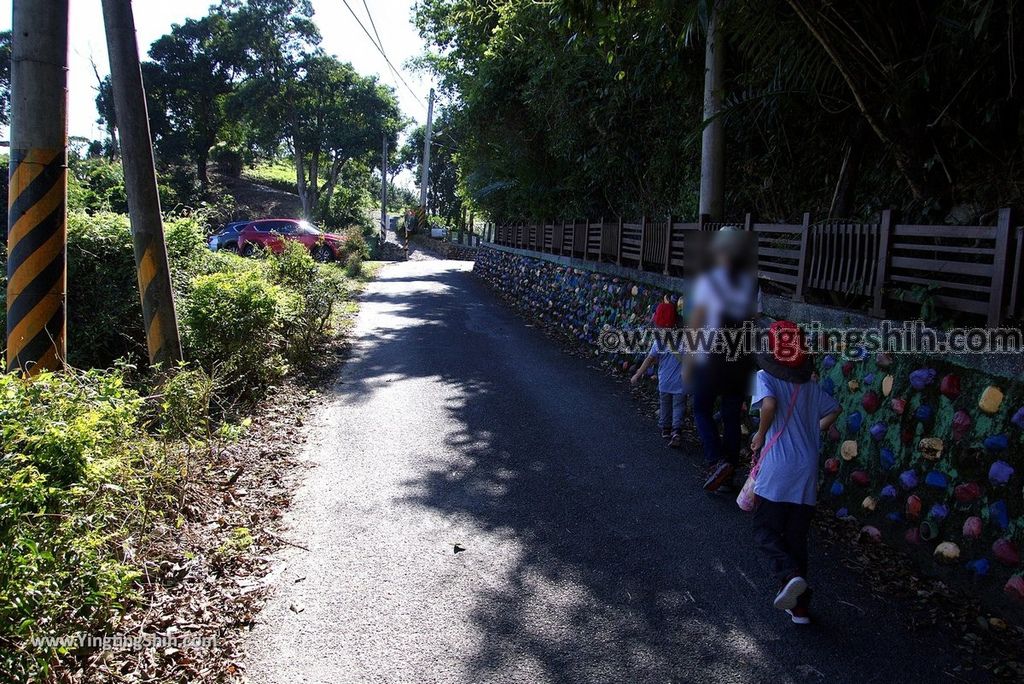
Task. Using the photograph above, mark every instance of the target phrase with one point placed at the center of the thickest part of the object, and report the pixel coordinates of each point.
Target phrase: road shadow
(621, 568)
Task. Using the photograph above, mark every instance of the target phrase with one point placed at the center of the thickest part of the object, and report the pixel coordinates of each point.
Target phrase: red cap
(786, 343)
(665, 315)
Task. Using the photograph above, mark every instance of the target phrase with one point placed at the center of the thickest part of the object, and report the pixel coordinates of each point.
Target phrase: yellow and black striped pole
(37, 208)
(140, 183)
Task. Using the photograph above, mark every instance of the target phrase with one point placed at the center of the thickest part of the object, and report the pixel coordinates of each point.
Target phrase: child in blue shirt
(794, 412)
(672, 394)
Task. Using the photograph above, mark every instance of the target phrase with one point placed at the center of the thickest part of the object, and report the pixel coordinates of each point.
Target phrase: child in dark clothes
(794, 412)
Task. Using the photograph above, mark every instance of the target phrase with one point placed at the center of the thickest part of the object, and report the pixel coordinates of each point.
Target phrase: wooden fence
(974, 270)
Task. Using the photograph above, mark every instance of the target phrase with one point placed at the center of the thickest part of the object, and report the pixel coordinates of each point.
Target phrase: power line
(380, 49)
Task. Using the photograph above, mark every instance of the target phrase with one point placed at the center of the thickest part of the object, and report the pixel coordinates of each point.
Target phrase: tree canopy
(572, 107)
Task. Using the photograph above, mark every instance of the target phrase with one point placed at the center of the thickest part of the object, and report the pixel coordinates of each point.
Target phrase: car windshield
(306, 228)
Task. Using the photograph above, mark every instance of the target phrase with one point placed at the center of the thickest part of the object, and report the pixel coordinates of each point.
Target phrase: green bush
(233, 323)
(103, 307)
(70, 472)
(318, 288)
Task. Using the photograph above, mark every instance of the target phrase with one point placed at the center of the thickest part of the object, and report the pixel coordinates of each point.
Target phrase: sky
(342, 37)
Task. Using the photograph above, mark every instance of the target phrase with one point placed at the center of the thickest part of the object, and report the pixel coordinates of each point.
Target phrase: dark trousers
(780, 530)
(709, 385)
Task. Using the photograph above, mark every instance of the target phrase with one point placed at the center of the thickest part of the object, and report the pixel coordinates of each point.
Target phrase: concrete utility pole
(712, 157)
(425, 172)
(384, 191)
(140, 185)
(37, 200)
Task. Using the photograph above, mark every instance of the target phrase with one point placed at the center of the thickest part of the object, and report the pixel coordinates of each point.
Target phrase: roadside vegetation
(103, 465)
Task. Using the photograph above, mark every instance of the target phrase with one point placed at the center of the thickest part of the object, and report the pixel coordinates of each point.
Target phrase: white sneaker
(798, 618)
(787, 596)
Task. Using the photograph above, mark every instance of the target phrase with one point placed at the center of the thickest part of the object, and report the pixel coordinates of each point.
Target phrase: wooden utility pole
(140, 185)
(425, 171)
(37, 199)
(712, 155)
(384, 191)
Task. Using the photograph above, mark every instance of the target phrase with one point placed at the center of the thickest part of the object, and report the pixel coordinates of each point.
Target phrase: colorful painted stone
(832, 466)
(1000, 472)
(828, 387)
(924, 413)
(894, 516)
(877, 431)
(997, 443)
(961, 425)
(968, 492)
(990, 400)
(1006, 552)
(922, 377)
(1014, 588)
(837, 488)
(899, 406)
(913, 507)
(842, 513)
(854, 421)
(979, 567)
(887, 458)
(947, 552)
(887, 385)
(930, 448)
(860, 478)
(828, 363)
(634, 291)
(883, 359)
(1018, 418)
(936, 480)
(929, 530)
(949, 386)
(870, 402)
(908, 479)
(973, 527)
(870, 534)
(848, 369)
(848, 450)
(853, 385)
(998, 514)
(888, 492)
(938, 512)
(833, 433)
(869, 503)
(869, 378)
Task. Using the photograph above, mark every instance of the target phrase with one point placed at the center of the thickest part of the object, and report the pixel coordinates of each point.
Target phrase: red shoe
(718, 476)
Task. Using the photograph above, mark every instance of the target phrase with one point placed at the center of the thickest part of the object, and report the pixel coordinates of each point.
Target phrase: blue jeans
(707, 388)
(673, 405)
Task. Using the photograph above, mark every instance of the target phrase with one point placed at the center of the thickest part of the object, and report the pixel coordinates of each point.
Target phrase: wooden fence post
(600, 239)
(882, 264)
(643, 241)
(801, 269)
(1018, 266)
(668, 245)
(618, 245)
(748, 222)
(995, 302)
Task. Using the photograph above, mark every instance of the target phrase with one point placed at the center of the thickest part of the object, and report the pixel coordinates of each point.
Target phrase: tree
(571, 106)
(329, 116)
(193, 70)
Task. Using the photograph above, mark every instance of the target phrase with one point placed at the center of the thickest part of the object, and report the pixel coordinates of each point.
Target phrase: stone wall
(928, 453)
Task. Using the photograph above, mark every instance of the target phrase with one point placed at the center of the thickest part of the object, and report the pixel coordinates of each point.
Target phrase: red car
(270, 234)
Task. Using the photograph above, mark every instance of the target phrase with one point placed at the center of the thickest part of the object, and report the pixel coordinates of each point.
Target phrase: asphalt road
(591, 553)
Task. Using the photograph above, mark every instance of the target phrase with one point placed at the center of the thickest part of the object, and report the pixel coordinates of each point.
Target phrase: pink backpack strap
(789, 412)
